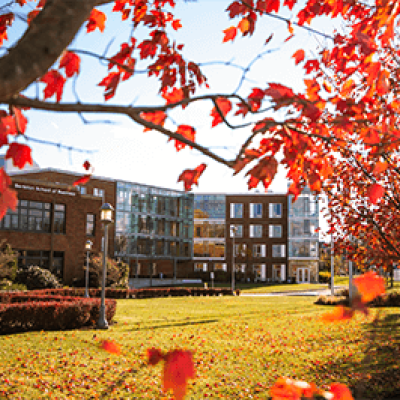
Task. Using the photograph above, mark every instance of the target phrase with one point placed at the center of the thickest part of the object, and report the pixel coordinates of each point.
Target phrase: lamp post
(233, 230)
(106, 217)
(88, 247)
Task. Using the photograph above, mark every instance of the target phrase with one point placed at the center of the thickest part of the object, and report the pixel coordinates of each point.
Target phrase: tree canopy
(340, 135)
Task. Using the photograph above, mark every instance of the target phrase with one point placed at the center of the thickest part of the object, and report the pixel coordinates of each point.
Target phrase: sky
(123, 150)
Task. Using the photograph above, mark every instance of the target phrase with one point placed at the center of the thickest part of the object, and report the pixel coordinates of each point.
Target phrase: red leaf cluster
(178, 369)
(96, 20)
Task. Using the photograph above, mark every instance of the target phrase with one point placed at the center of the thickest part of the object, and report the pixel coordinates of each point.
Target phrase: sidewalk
(312, 292)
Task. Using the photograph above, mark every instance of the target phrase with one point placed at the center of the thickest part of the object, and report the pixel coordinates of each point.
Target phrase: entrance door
(303, 275)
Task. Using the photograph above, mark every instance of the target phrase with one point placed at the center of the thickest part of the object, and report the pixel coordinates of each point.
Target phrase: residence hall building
(152, 229)
(253, 226)
(275, 239)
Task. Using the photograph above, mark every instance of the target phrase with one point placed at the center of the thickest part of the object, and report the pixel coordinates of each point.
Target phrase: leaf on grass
(154, 356)
(284, 388)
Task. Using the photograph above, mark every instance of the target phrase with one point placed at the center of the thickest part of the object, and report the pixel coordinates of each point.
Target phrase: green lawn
(265, 288)
(241, 344)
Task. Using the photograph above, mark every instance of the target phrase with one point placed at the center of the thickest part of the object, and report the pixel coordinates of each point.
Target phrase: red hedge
(50, 313)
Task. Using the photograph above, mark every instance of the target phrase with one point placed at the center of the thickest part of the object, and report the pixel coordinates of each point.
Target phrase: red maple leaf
(96, 19)
(340, 392)
(154, 356)
(375, 192)
(186, 131)
(264, 171)
(110, 82)
(5, 20)
(5, 180)
(20, 120)
(173, 96)
(230, 34)
(71, 62)
(157, 118)
(111, 347)
(225, 106)
(370, 285)
(8, 199)
(339, 314)
(190, 177)
(86, 165)
(284, 388)
(278, 91)
(178, 368)
(54, 84)
(176, 24)
(83, 180)
(299, 56)
(20, 154)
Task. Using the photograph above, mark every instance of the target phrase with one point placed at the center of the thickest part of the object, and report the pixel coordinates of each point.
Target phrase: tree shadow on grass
(377, 376)
(189, 323)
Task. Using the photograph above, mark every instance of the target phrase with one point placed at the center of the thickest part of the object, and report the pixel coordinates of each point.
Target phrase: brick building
(254, 226)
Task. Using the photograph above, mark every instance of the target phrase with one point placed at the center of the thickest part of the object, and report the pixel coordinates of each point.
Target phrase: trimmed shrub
(391, 299)
(35, 277)
(324, 277)
(28, 313)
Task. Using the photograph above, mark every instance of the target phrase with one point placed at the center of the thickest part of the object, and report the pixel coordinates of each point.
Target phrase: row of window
(213, 249)
(256, 210)
(256, 231)
(155, 247)
(131, 223)
(276, 272)
(41, 258)
(35, 216)
(96, 191)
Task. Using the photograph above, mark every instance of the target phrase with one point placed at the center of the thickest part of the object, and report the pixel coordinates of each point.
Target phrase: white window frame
(271, 231)
(238, 231)
(255, 232)
(272, 210)
(256, 207)
(232, 211)
(259, 250)
(282, 250)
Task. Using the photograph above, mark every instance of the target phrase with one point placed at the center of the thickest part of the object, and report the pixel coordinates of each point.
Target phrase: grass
(344, 281)
(241, 344)
(265, 288)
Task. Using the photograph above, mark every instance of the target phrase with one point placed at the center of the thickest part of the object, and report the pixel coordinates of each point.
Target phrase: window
(255, 231)
(240, 250)
(90, 224)
(278, 250)
(236, 210)
(98, 192)
(220, 267)
(200, 267)
(255, 210)
(82, 189)
(259, 250)
(28, 216)
(275, 210)
(275, 231)
(41, 258)
(236, 230)
(59, 218)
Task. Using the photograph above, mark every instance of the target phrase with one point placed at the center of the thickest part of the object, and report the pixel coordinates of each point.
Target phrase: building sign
(44, 189)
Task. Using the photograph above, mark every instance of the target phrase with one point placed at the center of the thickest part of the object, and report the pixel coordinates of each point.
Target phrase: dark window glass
(90, 224)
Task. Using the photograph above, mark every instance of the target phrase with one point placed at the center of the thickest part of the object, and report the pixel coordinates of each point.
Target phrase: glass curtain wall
(153, 222)
(209, 226)
(303, 222)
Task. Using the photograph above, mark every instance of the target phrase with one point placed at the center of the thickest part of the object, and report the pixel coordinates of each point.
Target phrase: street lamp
(88, 247)
(106, 217)
(233, 230)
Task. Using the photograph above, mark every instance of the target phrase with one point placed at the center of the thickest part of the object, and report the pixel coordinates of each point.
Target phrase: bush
(324, 277)
(116, 272)
(386, 300)
(19, 313)
(8, 263)
(35, 277)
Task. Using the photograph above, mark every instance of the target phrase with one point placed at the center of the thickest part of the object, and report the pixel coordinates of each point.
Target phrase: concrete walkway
(316, 292)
